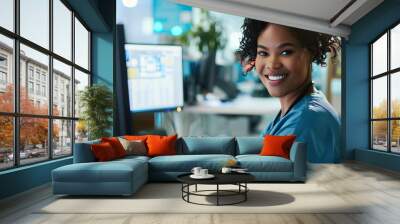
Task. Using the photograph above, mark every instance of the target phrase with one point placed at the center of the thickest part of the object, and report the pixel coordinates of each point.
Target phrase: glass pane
(395, 136)
(62, 89)
(395, 95)
(81, 81)
(62, 138)
(7, 14)
(379, 135)
(6, 142)
(395, 47)
(35, 21)
(81, 131)
(62, 29)
(379, 98)
(33, 139)
(6, 74)
(34, 96)
(379, 55)
(81, 45)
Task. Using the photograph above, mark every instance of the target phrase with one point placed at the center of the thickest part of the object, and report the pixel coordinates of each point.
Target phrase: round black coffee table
(238, 179)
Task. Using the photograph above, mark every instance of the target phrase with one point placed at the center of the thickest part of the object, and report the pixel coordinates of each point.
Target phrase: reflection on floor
(377, 188)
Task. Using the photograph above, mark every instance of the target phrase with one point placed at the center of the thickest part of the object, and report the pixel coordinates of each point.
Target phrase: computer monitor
(207, 74)
(211, 75)
(155, 77)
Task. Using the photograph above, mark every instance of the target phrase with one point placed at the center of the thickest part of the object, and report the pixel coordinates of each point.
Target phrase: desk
(243, 105)
(208, 118)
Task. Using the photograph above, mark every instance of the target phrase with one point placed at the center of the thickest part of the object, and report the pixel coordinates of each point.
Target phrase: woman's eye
(286, 52)
(262, 53)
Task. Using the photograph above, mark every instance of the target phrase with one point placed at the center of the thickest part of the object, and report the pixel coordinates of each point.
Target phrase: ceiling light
(130, 3)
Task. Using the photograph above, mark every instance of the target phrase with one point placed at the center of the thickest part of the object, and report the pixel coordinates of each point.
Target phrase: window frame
(388, 74)
(15, 68)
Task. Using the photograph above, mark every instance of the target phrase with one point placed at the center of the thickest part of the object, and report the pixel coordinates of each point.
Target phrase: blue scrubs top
(314, 121)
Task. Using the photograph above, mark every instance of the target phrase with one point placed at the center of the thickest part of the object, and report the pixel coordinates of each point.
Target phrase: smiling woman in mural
(283, 57)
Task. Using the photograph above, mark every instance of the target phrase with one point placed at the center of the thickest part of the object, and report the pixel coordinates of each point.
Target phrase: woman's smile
(276, 78)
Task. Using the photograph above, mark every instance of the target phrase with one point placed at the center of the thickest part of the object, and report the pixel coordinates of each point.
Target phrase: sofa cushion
(135, 137)
(277, 145)
(161, 145)
(134, 147)
(207, 145)
(185, 163)
(83, 152)
(103, 151)
(112, 171)
(257, 163)
(249, 145)
(131, 158)
(116, 145)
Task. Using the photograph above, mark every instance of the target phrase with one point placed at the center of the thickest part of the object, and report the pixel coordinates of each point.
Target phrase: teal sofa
(125, 176)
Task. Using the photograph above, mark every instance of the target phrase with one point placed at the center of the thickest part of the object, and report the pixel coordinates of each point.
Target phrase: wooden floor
(377, 188)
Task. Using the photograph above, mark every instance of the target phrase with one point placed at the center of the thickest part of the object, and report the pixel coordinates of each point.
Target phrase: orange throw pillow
(277, 145)
(136, 137)
(103, 151)
(116, 145)
(161, 145)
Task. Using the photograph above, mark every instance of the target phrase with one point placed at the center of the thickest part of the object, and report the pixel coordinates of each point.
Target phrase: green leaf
(96, 102)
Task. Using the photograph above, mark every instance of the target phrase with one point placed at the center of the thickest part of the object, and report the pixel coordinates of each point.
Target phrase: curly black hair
(317, 43)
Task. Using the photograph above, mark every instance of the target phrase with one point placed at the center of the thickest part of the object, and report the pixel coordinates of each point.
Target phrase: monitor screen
(155, 77)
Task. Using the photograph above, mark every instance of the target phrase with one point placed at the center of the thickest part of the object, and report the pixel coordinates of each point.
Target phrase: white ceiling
(324, 16)
(320, 9)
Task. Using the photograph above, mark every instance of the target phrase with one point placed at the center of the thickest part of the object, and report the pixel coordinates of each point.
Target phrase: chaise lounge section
(125, 176)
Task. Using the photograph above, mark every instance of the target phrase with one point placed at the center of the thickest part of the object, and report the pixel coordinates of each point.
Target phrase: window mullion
(50, 81)
(371, 89)
(389, 106)
(16, 84)
(73, 82)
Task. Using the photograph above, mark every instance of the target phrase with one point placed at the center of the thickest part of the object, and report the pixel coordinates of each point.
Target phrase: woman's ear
(310, 56)
(248, 65)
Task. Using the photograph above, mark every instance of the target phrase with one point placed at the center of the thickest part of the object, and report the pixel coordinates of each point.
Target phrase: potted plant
(96, 104)
(207, 35)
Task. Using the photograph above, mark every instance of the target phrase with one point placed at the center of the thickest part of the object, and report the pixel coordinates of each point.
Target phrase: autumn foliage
(380, 127)
(33, 131)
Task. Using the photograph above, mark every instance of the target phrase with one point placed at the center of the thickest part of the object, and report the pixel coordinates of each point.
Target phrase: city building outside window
(37, 74)
(3, 60)
(30, 87)
(3, 77)
(43, 90)
(3, 72)
(385, 96)
(30, 72)
(44, 77)
(56, 129)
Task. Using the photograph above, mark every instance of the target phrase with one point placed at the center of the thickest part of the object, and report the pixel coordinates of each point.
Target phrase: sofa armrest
(83, 153)
(298, 155)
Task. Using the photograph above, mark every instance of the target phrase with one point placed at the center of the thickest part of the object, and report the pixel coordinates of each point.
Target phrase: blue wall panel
(102, 58)
(357, 100)
(24, 178)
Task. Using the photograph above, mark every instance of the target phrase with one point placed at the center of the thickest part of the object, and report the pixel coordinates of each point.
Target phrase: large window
(385, 93)
(44, 64)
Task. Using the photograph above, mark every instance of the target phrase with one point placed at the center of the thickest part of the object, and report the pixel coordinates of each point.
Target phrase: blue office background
(356, 82)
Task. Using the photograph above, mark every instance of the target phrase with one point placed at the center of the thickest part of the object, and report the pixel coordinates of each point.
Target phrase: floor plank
(376, 189)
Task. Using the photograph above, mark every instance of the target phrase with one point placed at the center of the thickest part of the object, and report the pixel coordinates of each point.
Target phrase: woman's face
(281, 63)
